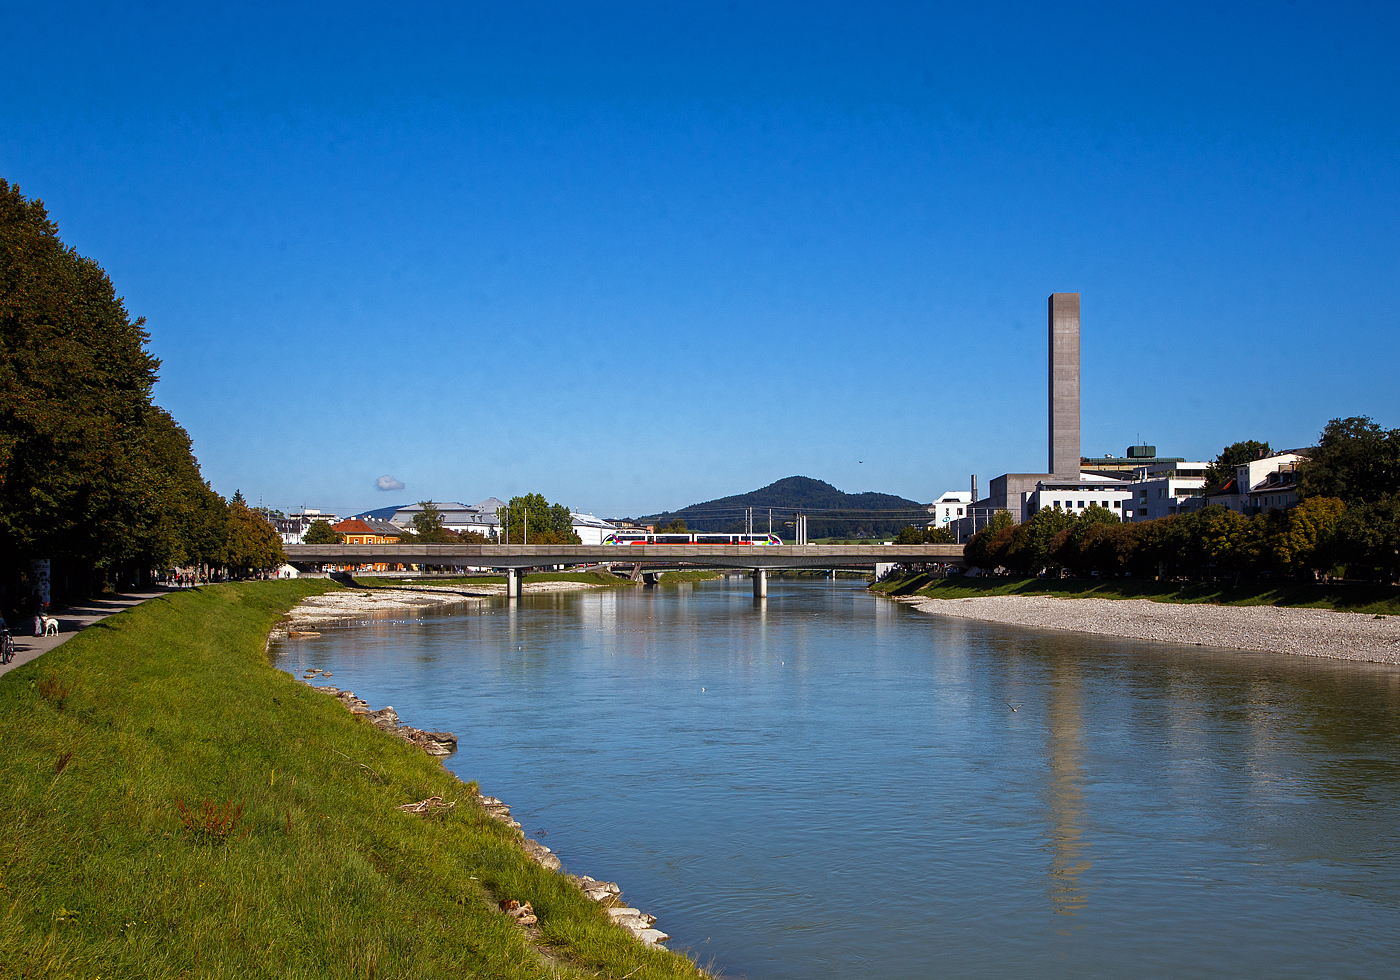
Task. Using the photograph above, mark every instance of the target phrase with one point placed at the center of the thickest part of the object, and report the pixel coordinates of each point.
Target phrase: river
(829, 784)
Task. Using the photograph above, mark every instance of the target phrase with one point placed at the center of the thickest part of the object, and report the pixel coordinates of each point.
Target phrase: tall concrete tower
(1064, 386)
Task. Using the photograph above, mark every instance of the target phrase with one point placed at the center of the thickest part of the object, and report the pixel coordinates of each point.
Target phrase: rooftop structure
(1120, 466)
(480, 518)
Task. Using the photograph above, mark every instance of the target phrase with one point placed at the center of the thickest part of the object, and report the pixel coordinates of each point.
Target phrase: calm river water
(829, 784)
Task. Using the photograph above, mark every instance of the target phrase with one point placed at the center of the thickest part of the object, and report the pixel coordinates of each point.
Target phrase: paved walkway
(70, 621)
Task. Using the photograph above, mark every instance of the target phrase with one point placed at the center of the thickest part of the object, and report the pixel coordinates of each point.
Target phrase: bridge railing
(712, 556)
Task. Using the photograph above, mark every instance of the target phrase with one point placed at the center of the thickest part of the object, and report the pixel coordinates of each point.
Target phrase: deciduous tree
(1030, 549)
(1222, 468)
(1355, 461)
(427, 525)
(252, 543)
(321, 532)
(547, 523)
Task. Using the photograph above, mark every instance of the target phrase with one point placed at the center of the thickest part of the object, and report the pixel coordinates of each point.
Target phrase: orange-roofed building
(368, 530)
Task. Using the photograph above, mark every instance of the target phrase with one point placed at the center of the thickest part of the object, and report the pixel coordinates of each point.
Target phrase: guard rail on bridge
(752, 557)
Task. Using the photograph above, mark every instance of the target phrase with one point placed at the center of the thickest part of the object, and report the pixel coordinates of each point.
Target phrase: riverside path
(71, 620)
(515, 558)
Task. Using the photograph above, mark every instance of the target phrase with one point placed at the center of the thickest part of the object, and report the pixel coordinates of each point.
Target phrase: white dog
(50, 626)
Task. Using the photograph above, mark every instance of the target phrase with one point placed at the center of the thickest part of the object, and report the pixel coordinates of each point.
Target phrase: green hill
(830, 512)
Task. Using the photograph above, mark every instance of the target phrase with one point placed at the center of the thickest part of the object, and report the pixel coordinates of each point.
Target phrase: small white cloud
(387, 482)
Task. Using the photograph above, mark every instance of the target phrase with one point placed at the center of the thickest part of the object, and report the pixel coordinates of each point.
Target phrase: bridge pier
(651, 578)
(760, 583)
(515, 582)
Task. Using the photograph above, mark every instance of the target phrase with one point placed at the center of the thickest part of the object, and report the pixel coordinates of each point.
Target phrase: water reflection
(1064, 791)
(830, 785)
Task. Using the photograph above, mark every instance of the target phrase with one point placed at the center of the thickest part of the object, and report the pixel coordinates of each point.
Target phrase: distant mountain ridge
(831, 512)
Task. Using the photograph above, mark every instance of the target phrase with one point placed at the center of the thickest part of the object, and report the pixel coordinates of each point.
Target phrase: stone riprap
(606, 893)
(1273, 629)
(387, 720)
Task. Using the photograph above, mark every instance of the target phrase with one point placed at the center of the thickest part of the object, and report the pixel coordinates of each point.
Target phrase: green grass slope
(174, 703)
(1347, 597)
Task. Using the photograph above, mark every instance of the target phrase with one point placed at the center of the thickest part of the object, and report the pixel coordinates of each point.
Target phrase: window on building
(1081, 503)
(1057, 503)
(960, 512)
(1115, 504)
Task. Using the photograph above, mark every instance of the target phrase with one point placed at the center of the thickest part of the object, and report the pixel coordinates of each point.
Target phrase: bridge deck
(707, 556)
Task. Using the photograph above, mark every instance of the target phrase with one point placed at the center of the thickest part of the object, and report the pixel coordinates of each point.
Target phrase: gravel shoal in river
(350, 604)
(1275, 629)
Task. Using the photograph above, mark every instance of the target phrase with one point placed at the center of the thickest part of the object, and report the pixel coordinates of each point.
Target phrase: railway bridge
(514, 559)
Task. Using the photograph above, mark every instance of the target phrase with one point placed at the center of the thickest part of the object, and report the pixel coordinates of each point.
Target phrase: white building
(1077, 496)
(590, 529)
(292, 528)
(1166, 488)
(950, 508)
(481, 518)
(1265, 484)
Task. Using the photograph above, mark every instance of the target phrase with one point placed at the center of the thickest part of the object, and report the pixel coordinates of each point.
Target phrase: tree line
(529, 518)
(94, 476)
(1347, 523)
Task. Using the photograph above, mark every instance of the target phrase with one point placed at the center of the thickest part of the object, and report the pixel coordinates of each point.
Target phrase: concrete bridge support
(515, 582)
(760, 583)
(651, 578)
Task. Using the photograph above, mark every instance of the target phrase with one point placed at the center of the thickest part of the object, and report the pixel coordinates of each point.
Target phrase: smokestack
(1064, 386)
(974, 488)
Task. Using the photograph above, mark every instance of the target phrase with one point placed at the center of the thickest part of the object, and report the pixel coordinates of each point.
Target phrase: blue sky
(633, 256)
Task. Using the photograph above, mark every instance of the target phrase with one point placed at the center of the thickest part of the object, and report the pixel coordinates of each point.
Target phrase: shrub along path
(173, 806)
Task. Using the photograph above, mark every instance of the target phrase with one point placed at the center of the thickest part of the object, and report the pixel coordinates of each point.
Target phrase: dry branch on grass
(433, 804)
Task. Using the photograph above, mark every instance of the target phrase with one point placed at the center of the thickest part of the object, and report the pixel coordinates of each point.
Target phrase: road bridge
(515, 558)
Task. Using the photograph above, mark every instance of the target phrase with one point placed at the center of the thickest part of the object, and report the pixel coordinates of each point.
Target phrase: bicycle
(7, 646)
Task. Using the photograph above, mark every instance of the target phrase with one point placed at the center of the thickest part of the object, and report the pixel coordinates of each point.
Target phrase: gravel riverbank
(356, 604)
(1275, 629)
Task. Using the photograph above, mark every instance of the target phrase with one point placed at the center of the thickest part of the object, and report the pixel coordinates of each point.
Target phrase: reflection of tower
(1065, 793)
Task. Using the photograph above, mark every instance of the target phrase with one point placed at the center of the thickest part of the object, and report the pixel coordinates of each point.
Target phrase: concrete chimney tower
(1064, 386)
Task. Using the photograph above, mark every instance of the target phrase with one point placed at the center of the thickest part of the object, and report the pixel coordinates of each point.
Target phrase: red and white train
(693, 537)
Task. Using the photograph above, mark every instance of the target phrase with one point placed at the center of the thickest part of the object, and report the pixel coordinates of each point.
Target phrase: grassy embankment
(174, 703)
(1348, 597)
(689, 575)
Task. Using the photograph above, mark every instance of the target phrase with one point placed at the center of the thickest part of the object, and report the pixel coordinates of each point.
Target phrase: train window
(673, 539)
(712, 539)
